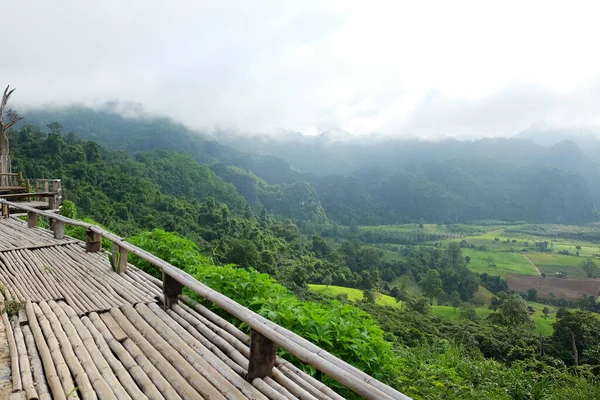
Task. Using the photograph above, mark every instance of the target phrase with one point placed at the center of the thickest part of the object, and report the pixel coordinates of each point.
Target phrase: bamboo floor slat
(86, 332)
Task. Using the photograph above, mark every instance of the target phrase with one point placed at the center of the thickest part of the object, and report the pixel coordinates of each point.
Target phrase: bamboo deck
(87, 332)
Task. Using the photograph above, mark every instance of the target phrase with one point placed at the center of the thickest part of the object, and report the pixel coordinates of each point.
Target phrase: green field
(506, 263)
(550, 263)
(543, 326)
(353, 294)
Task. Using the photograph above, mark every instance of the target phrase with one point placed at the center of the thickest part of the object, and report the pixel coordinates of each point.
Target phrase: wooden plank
(23, 195)
(93, 241)
(119, 258)
(32, 219)
(262, 356)
(40, 246)
(59, 229)
(114, 328)
(171, 290)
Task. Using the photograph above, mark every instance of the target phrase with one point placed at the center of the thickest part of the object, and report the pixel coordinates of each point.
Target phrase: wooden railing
(12, 180)
(32, 189)
(265, 335)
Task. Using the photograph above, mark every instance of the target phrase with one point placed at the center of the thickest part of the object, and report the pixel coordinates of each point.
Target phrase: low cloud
(421, 69)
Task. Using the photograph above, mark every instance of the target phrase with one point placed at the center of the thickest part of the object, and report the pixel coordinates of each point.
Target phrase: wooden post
(171, 290)
(32, 219)
(93, 241)
(119, 258)
(27, 189)
(54, 202)
(59, 229)
(262, 356)
(5, 210)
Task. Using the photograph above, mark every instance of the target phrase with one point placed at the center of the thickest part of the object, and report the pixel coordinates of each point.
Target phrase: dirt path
(534, 266)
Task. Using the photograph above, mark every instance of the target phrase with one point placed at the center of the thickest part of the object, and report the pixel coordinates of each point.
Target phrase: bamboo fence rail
(182, 351)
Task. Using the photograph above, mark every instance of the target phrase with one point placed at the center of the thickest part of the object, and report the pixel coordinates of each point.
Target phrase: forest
(262, 232)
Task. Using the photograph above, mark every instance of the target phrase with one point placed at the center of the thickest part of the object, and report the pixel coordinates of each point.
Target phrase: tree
(467, 311)
(454, 255)
(243, 253)
(576, 333)
(455, 300)
(467, 259)
(369, 296)
(589, 266)
(532, 295)
(546, 312)
(6, 121)
(513, 313)
(327, 280)
(490, 262)
(431, 284)
(420, 305)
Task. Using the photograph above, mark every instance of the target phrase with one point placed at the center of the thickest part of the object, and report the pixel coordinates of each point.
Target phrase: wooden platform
(77, 329)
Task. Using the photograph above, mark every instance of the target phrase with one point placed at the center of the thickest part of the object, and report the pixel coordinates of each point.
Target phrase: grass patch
(506, 263)
(353, 294)
(550, 263)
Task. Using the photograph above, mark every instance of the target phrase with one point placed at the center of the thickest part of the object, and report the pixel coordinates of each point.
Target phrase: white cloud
(397, 67)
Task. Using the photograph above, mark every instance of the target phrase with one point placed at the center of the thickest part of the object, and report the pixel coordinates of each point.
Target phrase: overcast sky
(405, 68)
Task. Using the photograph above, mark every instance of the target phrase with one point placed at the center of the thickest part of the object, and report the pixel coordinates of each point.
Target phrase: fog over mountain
(411, 69)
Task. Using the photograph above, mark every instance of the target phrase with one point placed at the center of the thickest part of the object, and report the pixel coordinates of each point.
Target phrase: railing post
(27, 189)
(93, 241)
(119, 258)
(171, 290)
(5, 210)
(262, 356)
(59, 229)
(32, 219)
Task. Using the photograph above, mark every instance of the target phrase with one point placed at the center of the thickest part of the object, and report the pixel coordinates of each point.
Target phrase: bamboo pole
(36, 365)
(56, 388)
(167, 324)
(286, 394)
(157, 357)
(168, 350)
(24, 365)
(267, 390)
(229, 360)
(152, 383)
(120, 372)
(17, 383)
(83, 382)
(99, 373)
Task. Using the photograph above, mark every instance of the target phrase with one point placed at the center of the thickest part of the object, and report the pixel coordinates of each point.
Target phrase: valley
(420, 273)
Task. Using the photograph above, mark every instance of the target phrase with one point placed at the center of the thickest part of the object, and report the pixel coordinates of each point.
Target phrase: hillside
(188, 213)
(389, 181)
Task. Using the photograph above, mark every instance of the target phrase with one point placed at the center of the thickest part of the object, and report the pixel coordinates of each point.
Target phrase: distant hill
(368, 181)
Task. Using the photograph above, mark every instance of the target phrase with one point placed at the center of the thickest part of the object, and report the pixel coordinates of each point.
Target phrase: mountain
(587, 139)
(385, 180)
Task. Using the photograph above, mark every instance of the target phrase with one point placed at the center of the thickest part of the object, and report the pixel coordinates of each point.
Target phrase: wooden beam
(262, 356)
(39, 246)
(59, 229)
(119, 258)
(171, 290)
(32, 219)
(93, 241)
(5, 210)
